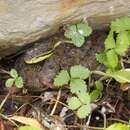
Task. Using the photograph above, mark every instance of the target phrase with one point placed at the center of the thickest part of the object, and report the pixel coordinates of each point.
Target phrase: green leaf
(71, 31)
(101, 58)
(121, 24)
(78, 85)
(13, 73)
(62, 78)
(79, 71)
(122, 76)
(94, 95)
(9, 82)
(19, 82)
(112, 58)
(109, 42)
(84, 111)
(84, 98)
(129, 36)
(77, 33)
(99, 85)
(27, 127)
(122, 43)
(73, 34)
(118, 126)
(84, 29)
(78, 40)
(74, 103)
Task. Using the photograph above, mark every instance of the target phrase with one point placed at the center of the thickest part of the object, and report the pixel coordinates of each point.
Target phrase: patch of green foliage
(118, 126)
(28, 127)
(62, 79)
(116, 45)
(15, 80)
(97, 92)
(77, 33)
(81, 103)
(75, 78)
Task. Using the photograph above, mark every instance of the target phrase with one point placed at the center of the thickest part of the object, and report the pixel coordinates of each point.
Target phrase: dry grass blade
(26, 121)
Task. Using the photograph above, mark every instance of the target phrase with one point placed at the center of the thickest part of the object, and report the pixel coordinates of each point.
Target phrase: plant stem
(118, 120)
(61, 42)
(68, 41)
(3, 102)
(54, 108)
(100, 73)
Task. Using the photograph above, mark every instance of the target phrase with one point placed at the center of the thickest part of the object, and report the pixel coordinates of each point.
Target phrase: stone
(25, 21)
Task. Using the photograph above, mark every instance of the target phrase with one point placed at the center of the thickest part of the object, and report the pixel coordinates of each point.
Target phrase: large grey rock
(25, 21)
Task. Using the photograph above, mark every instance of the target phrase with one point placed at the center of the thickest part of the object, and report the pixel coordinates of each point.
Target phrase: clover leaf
(77, 33)
(71, 31)
(84, 98)
(79, 71)
(74, 103)
(77, 86)
(84, 111)
(62, 78)
(81, 103)
(19, 82)
(84, 29)
(9, 82)
(14, 80)
(13, 73)
(78, 40)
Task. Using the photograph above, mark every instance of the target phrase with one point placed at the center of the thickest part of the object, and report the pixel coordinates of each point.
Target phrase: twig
(56, 103)
(88, 121)
(67, 116)
(4, 71)
(3, 102)
(100, 73)
(20, 108)
(119, 120)
(104, 119)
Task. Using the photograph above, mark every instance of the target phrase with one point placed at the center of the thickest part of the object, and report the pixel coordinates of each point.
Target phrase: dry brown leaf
(26, 121)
